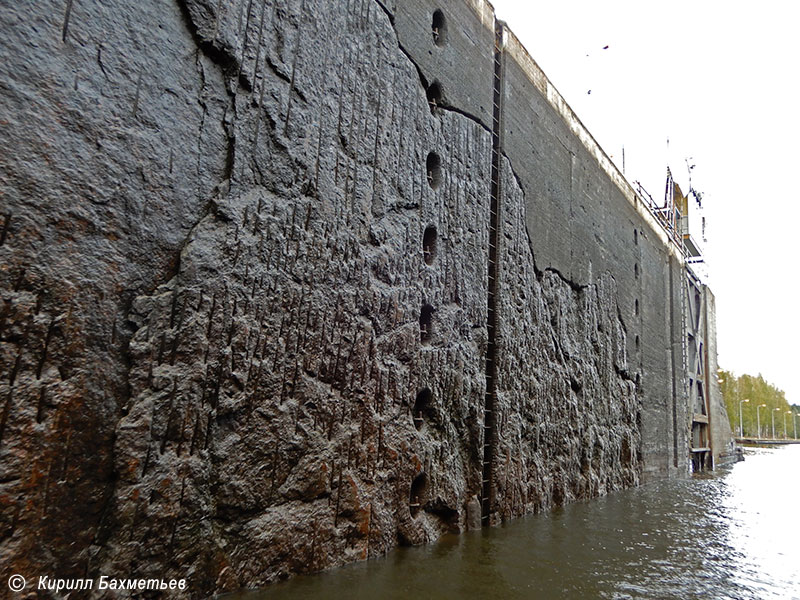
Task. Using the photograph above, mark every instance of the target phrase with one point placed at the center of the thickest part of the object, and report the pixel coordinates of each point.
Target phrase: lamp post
(741, 423)
(773, 422)
(794, 420)
(758, 417)
(788, 412)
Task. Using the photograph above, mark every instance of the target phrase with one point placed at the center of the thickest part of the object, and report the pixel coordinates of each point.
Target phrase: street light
(758, 418)
(788, 412)
(773, 422)
(794, 420)
(741, 423)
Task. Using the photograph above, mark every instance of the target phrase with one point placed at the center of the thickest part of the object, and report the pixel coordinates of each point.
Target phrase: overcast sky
(715, 82)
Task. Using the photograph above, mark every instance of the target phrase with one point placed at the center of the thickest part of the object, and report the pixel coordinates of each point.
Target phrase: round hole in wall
(422, 407)
(433, 170)
(434, 95)
(439, 28)
(426, 324)
(429, 244)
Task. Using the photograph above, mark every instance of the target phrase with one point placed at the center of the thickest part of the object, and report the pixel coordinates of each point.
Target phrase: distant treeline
(764, 400)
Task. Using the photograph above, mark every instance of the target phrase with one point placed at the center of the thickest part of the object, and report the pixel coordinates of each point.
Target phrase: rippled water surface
(735, 534)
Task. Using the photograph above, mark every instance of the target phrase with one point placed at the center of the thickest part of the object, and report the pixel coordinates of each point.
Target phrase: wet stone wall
(243, 331)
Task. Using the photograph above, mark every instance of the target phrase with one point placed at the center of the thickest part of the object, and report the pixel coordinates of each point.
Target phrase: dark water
(735, 534)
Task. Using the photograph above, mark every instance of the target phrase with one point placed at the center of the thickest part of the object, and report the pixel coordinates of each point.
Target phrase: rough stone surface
(569, 413)
(114, 141)
(243, 268)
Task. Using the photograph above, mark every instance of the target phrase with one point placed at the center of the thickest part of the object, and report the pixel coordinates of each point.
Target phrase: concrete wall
(721, 434)
(245, 277)
(585, 221)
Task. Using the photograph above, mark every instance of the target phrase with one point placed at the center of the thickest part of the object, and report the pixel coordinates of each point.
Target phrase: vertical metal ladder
(489, 410)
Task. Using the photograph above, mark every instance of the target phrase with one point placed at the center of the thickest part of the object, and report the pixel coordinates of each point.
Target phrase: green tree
(756, 396)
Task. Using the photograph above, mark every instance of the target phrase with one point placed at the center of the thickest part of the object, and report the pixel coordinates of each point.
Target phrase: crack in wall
(424, 80)
(444, 105)
(223, 58)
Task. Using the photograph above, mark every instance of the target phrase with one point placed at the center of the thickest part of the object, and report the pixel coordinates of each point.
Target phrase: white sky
(719, 80)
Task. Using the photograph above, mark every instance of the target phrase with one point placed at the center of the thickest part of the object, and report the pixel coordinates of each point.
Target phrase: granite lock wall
(287, 283)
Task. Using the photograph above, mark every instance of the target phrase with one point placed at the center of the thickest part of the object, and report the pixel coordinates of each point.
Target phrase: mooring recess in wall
(419, 493)
(434, 94)
(426, 323)
(433, 170)
(422, 407)
(439, 28)
(429, 244)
